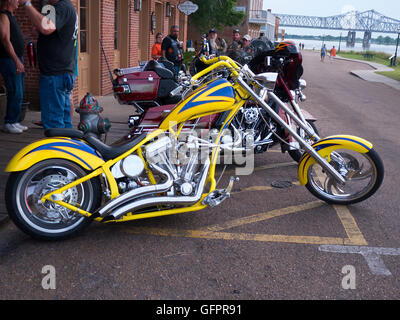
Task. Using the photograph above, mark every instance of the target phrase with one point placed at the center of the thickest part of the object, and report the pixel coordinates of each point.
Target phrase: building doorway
(89, 48)
(144, 26)
(159, 18)
(182, 24)
(171, 21)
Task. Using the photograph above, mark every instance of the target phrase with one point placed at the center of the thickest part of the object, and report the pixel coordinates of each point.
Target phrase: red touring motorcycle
(154, 92)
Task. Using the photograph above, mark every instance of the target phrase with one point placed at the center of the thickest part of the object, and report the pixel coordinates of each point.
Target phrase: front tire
(365, 173)
(50, 221)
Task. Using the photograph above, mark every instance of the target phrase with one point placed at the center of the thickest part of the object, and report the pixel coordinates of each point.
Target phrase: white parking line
(371, 255)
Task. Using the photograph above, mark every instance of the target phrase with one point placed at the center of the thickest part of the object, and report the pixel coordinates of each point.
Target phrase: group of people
(56, 51)
(169, 48)
(239, 47)
(324, 51)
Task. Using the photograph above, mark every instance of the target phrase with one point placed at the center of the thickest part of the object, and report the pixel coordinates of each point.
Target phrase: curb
(371, 75)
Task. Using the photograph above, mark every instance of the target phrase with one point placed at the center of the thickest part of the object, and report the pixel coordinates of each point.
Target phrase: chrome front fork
(309, 149)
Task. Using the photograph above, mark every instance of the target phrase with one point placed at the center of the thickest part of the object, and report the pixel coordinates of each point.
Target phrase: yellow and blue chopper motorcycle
(58, 185)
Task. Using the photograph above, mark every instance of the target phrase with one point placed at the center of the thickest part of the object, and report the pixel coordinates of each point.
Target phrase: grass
(392, 74)
(378, 57)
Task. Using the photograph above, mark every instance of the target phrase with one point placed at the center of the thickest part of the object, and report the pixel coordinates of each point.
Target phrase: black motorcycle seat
(106, 151)
(164, 73)
(69, 133)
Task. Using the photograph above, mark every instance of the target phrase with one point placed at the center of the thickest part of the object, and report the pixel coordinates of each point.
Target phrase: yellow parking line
(261, 188)
(199, 234)
(354, 235)
(350, 226)
(266, 167)
(263, 216)
(276, 165)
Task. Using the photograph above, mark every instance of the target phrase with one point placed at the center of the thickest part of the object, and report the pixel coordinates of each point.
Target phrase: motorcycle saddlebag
(137, 86)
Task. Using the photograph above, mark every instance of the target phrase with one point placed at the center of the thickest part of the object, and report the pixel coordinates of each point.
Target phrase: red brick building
(127, 29)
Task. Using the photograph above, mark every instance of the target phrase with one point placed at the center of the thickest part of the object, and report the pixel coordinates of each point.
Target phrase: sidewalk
(371, 75)
(10, 144)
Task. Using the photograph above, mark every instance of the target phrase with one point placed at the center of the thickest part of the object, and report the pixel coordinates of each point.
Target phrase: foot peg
(216, 197)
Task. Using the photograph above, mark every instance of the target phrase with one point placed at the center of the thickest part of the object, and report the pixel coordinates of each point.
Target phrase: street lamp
(397, 45)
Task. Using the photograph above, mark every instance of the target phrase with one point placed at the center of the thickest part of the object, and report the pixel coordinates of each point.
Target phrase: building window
(83, 24)
(116, 16)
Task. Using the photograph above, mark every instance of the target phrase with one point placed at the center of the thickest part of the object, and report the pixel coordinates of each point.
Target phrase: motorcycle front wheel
(363, 172)
(50, 221)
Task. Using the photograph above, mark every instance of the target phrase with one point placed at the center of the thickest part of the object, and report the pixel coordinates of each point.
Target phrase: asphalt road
(263, 243)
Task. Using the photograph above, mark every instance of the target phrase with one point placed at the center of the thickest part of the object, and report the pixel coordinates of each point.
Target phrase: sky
(390, 8)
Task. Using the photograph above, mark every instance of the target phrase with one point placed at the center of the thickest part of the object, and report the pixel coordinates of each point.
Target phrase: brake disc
(50, 210)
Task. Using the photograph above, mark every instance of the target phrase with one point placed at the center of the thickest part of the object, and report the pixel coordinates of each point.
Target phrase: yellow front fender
(56, 148)
(326, 146)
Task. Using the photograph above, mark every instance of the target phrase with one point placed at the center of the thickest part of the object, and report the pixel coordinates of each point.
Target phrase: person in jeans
(11, 66)
(56, 54)
(323, 53)
(171, 49)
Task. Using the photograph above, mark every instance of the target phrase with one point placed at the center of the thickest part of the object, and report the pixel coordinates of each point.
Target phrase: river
(316, 44)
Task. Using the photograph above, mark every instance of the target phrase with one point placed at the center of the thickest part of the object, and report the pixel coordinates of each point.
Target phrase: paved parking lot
(263, 243)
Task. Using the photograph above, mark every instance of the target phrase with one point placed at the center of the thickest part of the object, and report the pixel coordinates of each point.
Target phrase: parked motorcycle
(58, 185)
(252, 127)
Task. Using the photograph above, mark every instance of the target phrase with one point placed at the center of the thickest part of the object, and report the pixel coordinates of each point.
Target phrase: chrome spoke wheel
(363, 173)
(48, 180)
(48, 220)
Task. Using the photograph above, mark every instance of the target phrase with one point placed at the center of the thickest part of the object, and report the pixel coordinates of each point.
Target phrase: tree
(216, 14)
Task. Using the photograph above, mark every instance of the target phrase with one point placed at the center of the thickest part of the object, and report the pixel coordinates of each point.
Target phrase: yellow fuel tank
(213, 97)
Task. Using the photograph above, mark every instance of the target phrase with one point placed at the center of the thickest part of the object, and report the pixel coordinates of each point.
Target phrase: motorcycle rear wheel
(49, 221)
(364, 173)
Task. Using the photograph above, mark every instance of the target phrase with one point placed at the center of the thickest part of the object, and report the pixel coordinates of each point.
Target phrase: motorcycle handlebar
(220, 58)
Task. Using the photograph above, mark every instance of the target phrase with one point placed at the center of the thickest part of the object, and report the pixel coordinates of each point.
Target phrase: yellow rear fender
(326, 146)
(56, 148)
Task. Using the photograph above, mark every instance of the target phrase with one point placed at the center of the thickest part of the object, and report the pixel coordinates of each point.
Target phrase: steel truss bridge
(368, 21)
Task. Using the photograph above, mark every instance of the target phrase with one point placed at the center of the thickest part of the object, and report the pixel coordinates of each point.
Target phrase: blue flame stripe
(346, 139)
(223, 92)
(73, 144)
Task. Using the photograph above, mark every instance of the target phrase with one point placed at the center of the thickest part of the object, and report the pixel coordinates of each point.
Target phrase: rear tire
(50, 221)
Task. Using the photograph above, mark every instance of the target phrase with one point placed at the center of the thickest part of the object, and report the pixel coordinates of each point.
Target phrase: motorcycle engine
(181, 159)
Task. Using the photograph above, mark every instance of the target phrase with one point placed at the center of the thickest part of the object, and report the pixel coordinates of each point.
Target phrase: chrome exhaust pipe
(136, 193)
(154, 201)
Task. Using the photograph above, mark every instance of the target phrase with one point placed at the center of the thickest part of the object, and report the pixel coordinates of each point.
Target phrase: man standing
(247, 49)
(171, 49)
(210, 47)
(57, 42)
(323, 53)
(11, 66)
(236, 45)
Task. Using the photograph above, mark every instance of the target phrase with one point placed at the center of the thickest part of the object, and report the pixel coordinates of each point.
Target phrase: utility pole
(397, 46)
